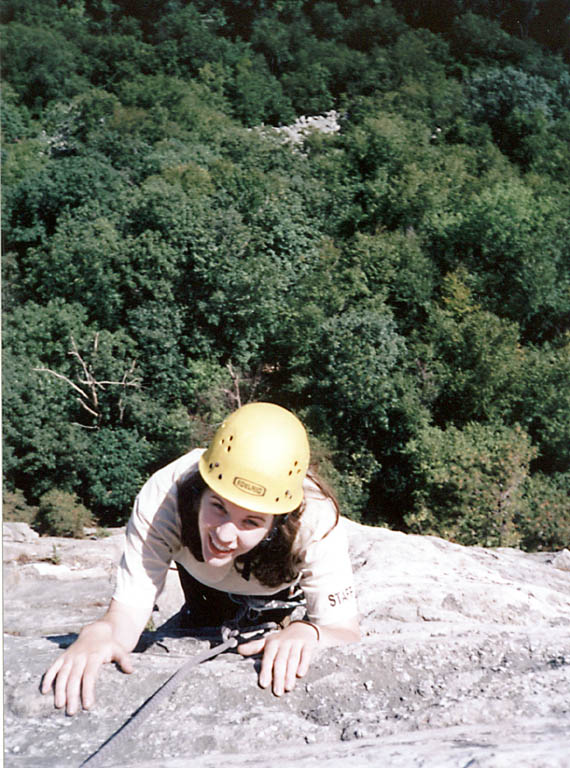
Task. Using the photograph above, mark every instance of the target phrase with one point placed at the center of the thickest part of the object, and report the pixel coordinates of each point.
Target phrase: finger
(88, 683)
(292, 667)
(280, 665)
(50, 674)
(60, 689)
(251, 648)
(266, 671)
(73, 688)
(123, 659)
(305, 660)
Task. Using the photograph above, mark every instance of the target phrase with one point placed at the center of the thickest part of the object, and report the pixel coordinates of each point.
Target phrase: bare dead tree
(234, 395)
(240, 383)
(88, 386)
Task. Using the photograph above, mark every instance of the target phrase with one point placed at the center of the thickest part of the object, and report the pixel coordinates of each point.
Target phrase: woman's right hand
(73, 674)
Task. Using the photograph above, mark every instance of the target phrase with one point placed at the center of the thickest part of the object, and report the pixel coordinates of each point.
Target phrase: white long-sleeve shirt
(153, 541)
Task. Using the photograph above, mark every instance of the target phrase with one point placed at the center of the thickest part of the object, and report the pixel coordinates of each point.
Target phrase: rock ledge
(465, 660)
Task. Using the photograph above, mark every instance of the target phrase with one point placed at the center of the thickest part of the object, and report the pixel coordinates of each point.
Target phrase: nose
(226, 532)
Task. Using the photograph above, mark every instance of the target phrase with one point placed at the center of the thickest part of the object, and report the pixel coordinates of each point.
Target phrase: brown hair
(273, 561)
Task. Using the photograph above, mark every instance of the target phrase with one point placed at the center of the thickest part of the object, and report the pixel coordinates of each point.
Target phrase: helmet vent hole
(219, 477)
(290, 472)
(228, 449)
(277, 499)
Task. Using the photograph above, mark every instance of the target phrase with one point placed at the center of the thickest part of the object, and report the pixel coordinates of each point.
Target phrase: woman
(248, 526)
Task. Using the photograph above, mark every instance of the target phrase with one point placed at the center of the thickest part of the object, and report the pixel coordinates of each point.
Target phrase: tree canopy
(403, 283)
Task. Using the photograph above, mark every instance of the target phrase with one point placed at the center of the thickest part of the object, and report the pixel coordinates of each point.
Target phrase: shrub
(62, 514)
(544, 524)
(15, 508)
(470, 482)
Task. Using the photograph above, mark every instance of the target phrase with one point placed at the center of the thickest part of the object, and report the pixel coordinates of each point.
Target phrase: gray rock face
(19, 532)
(464, 661)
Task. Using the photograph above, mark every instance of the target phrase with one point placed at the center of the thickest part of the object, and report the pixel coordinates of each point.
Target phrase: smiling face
(226, 530)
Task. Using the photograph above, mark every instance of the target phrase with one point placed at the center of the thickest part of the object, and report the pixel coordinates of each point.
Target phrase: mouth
(217, 549)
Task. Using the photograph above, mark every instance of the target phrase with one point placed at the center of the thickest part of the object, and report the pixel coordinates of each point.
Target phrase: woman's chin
(218, 560)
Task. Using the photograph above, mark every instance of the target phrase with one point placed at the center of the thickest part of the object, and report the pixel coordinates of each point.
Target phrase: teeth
(218, 547)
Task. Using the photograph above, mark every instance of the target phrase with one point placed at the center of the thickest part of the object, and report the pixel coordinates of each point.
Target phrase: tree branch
(64, 378)
(89, 399)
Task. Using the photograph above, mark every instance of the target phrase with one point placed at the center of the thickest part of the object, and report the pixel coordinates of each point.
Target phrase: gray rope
(148, 707)
(230, 630)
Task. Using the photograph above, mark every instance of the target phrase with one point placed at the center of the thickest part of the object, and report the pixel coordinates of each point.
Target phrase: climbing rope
(150, 705)
(250, 609)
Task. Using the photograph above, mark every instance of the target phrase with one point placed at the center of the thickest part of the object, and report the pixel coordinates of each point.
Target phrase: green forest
(402, 284)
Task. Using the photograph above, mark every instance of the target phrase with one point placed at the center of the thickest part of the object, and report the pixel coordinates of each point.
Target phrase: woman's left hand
(287, 655)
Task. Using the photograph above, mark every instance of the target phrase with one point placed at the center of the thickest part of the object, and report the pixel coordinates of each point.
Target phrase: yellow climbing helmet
(258, 459)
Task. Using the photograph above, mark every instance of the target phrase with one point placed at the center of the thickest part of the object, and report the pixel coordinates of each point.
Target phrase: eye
(218, 507)
(252, 523)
